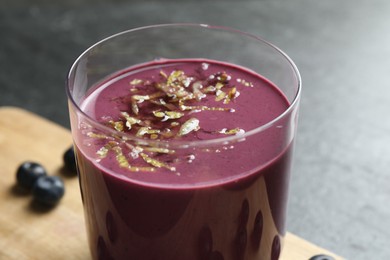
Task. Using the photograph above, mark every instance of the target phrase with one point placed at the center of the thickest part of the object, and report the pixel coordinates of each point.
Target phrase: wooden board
(28, 231)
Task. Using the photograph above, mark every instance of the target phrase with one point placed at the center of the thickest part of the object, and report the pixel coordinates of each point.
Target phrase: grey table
(340, 190)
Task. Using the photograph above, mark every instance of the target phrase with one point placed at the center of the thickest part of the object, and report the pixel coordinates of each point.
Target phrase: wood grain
(28, 231)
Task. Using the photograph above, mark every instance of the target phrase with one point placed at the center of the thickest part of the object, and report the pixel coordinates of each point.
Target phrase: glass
(240, 215)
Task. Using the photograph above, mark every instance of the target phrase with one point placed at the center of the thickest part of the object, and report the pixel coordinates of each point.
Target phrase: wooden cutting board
(28, 231)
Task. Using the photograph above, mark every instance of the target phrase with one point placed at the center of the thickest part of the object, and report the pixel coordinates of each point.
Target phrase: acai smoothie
(169, 156)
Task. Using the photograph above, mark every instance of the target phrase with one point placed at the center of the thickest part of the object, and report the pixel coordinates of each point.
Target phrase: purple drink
(220, 201)
(184, 158)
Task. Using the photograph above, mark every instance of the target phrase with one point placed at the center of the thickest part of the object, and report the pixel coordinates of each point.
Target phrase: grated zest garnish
(171, 98)
(190, 125)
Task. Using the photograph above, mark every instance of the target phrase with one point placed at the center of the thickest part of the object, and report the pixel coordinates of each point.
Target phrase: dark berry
(257, 230)
(28, 173)
(240, 243)
(321, 257)
(244, 214)
(276, 247)
(70, 159)
(111, 227)
(48, 190)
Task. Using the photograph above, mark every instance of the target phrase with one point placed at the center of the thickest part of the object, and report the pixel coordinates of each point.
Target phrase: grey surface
(340, 190)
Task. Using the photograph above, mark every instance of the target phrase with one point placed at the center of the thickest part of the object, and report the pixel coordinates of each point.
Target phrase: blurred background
(340, 190)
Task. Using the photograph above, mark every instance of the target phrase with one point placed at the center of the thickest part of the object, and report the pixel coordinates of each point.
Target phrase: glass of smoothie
(184, 136)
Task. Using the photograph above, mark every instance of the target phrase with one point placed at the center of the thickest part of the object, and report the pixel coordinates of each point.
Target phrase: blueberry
(48, 190)
(321, 257)
(70, 159)
(28, 173)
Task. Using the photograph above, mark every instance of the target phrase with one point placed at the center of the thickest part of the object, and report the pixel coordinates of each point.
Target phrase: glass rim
(182, 143)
